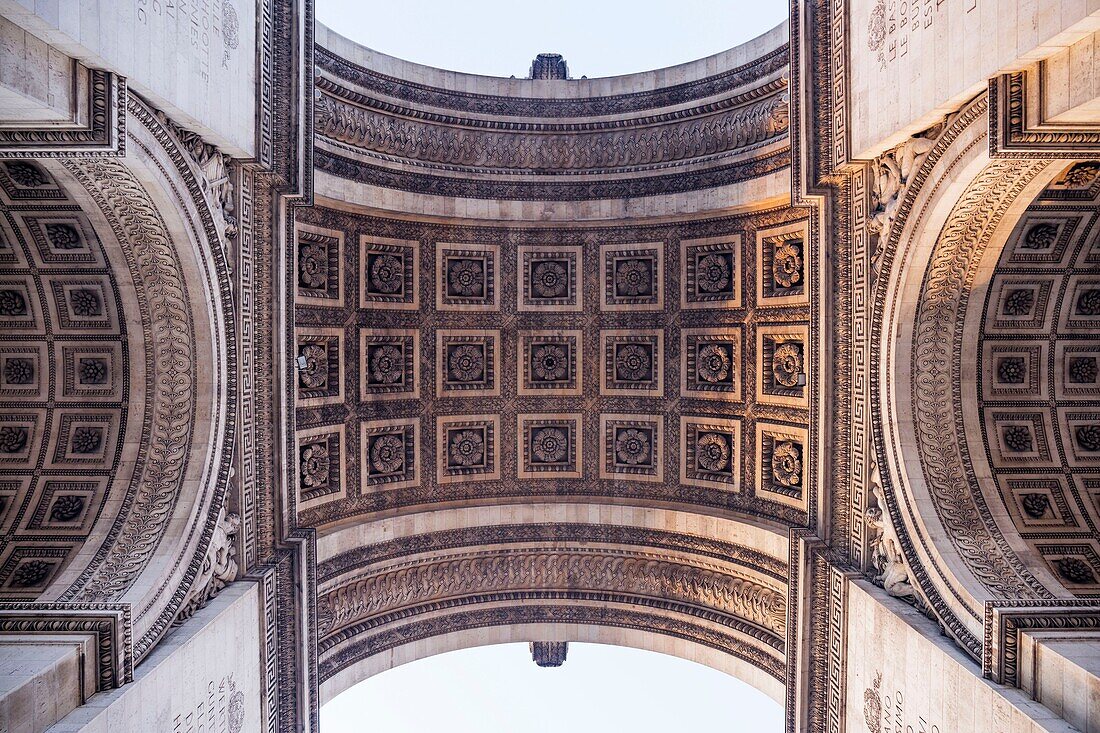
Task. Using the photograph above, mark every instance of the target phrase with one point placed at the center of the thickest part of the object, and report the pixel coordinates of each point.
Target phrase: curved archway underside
(594, 415)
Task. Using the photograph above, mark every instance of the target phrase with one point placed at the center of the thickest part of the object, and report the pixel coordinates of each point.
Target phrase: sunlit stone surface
(315, 361)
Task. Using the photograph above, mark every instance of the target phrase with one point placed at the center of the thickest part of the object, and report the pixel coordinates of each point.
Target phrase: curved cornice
(713, 123)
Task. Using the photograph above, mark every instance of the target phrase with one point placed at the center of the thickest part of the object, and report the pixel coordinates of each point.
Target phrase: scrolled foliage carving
(405, 585)
(168, 322)
(937, 334)
(501, 149)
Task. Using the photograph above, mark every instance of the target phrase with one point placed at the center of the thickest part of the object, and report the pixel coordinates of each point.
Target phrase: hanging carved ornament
(787, 464)
(632, 277)
(387, 365)
(787, 264)
(549, 445)
(18, 371)
(713, 363)
(387, 454)
(466, 278)
(27, 175)
(12, 303)
(313, 265)
(315, 373)
(467, 363)
(713, 452)
(787, 364)
(550, 280)
(632, 447)
(12, 439)
(713, 275)
(63, 236)
(387, 274)
(632, 363)
(550, 363)
(314, 465)
(1040, 236)
(467, 448)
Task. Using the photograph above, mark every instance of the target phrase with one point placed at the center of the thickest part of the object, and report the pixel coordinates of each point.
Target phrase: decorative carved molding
(398, 134)
(1017, 130)
(724, 175)
(109, 622)
(937, 339)
(653, 539)
(166, 317)
(102, 133)
(1007, 621)
(567, 613)
(455, 145)
(393, 588)
(421, 95)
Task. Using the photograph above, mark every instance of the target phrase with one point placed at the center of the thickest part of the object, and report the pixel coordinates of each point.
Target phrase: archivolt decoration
(943, 459)
(723, 129)
(167, 269)
(388, 589)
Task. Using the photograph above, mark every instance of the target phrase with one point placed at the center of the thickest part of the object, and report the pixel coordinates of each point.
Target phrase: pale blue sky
(498, 689)
(604, 689)
(597, 37)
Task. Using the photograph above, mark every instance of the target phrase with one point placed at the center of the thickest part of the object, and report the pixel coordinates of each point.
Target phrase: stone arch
(952, 223)
(166, 404)
(709, 590)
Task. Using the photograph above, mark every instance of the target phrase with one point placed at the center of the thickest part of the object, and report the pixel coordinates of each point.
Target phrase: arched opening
(598, 687)
(976, 321)
(120, 384)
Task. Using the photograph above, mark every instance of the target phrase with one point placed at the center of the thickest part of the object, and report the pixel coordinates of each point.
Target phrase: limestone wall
(904, 676)
(912, 61)
(195, 59)
(205, 677)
